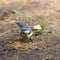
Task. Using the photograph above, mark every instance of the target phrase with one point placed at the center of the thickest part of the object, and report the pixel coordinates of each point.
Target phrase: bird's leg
(31, 39)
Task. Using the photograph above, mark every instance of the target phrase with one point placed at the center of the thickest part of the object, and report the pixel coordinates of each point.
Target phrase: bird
(26, 31)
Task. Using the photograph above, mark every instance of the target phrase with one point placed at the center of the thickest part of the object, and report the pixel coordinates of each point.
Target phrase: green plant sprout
(41, 23)
(15, 11)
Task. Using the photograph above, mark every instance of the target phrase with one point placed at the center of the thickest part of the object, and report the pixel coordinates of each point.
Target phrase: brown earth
(45, 46)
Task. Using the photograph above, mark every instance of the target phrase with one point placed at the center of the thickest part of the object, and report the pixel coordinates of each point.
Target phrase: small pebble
(1, 30)
(49, 32)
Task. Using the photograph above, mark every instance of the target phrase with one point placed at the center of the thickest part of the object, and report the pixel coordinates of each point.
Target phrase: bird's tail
(19, 24)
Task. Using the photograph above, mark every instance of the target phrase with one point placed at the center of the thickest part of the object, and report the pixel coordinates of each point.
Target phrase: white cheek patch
(27, 31)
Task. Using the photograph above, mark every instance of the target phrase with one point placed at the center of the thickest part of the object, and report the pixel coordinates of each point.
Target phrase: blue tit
(26, 31)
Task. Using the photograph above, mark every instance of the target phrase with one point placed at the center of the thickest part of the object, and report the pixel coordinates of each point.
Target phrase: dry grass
(46, 44)
(13, 1)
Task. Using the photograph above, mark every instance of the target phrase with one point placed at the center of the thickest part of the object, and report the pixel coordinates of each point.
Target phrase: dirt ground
(45, 46)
